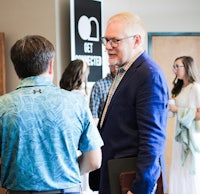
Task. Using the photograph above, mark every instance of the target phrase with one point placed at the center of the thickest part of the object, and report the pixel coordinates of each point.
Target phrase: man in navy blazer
(134, 120)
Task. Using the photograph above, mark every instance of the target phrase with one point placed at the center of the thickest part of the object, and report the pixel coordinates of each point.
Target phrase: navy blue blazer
(135, 124)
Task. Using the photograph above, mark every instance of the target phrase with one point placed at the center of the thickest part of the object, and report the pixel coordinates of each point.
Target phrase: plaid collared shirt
(99, 95)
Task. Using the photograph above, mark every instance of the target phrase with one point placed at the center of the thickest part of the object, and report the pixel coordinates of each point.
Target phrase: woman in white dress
(185, 167)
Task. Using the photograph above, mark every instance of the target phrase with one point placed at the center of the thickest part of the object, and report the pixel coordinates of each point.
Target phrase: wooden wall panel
(2, 191)
(2, 64)
(2, 76)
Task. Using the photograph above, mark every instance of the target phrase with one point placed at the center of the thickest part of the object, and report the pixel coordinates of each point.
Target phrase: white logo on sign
(85, 28)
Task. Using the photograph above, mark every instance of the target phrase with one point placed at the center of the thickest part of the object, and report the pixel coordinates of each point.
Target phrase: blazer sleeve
(151, 112)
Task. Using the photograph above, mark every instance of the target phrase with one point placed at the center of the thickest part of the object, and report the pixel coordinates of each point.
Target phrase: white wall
(160, 15)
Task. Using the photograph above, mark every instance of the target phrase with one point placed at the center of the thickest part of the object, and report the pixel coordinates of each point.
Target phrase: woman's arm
(173, 108)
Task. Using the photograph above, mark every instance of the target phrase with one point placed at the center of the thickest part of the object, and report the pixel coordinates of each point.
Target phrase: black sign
(86, 21)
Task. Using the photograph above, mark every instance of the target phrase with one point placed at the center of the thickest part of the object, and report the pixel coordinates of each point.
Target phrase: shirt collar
(35, 81)
(133, 59)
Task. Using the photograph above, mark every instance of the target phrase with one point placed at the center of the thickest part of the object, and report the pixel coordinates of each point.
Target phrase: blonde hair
(133, 22)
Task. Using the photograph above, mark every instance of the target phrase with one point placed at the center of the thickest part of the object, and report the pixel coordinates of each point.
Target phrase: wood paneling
(2, 76)
(2, 64)
(2, 191)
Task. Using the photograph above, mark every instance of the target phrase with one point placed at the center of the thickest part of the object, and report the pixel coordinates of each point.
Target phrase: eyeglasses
(113, 41)
(176, 67)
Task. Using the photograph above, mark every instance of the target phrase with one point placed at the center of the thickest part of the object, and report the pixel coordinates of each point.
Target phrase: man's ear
(51, 67)
(138, 40)
(51, 71)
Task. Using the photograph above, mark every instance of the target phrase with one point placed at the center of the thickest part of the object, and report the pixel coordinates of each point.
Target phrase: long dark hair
(74, 74)
(191, 74)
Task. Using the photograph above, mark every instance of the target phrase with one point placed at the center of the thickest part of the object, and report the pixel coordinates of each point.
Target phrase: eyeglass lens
(112, 42)
(176, 67)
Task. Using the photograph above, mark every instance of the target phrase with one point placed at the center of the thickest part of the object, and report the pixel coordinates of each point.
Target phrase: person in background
(185, 168)
(134, 119)
(99, 93)
(75, 78)
(43, 126)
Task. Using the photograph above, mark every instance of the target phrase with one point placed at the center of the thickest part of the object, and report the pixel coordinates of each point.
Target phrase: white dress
(181, 181)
